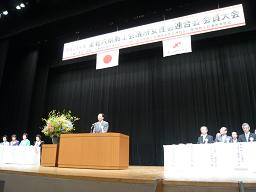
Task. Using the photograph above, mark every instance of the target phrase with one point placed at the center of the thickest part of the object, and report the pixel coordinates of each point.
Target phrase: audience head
(204, 130)
(223, 130)
(234, 135)
(246, 127)
(4, 138)
(25, 136)
(100, 116)
(14, 137)
(38, 137)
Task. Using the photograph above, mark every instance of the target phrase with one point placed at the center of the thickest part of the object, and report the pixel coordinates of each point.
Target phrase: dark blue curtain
(152, 99)
(3, 55)
(17, 88)
(158, 100)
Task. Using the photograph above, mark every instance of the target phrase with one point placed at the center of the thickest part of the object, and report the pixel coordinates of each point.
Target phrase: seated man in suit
(234, 137)
(204, 138)
(101, 126)
(247, 136)
(222, 136)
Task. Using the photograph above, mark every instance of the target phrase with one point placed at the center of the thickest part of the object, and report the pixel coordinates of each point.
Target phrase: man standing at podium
(101, 126)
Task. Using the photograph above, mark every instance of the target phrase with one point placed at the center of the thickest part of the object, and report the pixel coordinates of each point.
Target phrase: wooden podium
(49, 155)
(96, 151)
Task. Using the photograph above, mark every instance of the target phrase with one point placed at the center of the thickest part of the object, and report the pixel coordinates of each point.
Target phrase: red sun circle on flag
(107, 59)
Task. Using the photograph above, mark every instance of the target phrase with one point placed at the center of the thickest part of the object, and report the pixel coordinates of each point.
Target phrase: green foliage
(59, 123)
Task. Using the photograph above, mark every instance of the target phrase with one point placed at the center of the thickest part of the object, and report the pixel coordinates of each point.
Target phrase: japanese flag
(107, 59)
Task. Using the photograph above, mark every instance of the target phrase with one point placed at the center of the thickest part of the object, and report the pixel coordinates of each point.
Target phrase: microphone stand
(92, 127)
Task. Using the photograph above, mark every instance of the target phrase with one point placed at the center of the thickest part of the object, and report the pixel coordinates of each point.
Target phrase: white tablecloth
(217, 158)
(20, 155)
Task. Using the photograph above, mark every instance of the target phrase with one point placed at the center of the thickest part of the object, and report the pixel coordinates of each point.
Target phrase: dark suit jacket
(200, 139)
(227, 140)
(242, 137)
(232, 141)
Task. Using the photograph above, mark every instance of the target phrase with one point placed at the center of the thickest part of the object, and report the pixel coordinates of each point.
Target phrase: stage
(135, 178)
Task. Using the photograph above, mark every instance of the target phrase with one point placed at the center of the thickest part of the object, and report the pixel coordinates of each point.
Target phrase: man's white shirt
(204, 137)
(247, 136)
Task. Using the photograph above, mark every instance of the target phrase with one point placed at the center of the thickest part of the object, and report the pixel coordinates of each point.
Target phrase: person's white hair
(245, 124)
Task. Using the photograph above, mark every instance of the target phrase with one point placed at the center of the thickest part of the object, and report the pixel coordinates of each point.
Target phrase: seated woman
(25, 141)
(38, 142)
(14, 141)
(5, 142)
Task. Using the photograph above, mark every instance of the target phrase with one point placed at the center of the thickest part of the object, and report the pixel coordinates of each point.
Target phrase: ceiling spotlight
(5, 12)
(22, 5)
(18, 7)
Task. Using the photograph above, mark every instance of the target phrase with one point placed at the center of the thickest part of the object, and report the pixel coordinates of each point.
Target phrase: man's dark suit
(201, 141)
(242, 137)
(220, 139)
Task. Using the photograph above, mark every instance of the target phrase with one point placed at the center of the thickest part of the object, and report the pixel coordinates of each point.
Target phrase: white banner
(107, 59)
(203, 22)
(177, 46)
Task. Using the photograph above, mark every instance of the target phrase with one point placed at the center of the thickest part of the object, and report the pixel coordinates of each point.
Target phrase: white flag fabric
(107, 59)
(177, 46)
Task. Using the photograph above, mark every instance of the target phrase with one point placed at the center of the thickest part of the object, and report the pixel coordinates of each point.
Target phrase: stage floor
(136, 175)
(140, 174)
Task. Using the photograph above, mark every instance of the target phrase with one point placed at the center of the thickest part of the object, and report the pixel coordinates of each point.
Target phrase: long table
(20, 155)
(216, 159)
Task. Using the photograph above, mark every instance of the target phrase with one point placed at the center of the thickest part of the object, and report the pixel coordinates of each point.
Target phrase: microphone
(92, 127)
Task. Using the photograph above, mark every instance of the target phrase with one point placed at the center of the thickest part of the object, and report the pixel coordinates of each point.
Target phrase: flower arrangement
(59, 123)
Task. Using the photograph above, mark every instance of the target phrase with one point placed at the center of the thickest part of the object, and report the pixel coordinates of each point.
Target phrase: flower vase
(55, 140)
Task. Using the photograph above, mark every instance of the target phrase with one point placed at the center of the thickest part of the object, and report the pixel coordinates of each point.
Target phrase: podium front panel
(100, 151)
